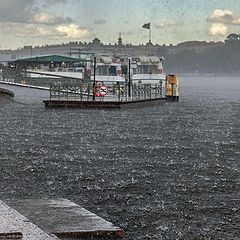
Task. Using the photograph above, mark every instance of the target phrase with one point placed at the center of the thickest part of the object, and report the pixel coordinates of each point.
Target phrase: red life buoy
(96, 90)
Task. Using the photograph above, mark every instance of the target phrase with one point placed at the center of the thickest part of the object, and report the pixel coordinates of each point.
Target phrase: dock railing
(117, 92)
(68, 88)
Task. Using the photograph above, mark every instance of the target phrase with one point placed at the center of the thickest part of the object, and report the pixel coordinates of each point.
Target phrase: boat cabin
(107, 70)
(147, 65)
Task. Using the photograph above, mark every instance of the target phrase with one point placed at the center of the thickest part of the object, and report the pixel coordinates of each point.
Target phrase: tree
(232, 37)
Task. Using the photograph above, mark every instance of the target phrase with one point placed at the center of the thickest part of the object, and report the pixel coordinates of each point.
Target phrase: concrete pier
(14, 225)
(65, 219)
(7, 231)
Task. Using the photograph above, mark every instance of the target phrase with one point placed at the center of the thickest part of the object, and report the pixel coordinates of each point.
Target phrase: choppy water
(166, 172)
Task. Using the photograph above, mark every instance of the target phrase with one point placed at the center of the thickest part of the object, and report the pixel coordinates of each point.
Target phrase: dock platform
(102, 104)
(65, 219)
(14, 225)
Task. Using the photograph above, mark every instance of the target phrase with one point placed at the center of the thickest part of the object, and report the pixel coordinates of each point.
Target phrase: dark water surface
(165, 172)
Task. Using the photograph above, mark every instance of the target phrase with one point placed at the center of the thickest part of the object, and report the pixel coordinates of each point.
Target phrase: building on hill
(120, 40)
(96, 47)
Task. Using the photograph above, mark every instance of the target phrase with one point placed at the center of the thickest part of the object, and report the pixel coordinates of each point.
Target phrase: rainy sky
(34, 22)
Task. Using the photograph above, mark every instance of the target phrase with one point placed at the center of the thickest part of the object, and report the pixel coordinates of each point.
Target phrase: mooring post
(50, 91)
(58, 92)
(155, 90)
(67, 91)
(129, 78)
(150, 90)
(119, 92)
(94, 77)
(161, 88)
(81, 91)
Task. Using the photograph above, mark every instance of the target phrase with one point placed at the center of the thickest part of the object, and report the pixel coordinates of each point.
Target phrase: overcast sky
(34, 22)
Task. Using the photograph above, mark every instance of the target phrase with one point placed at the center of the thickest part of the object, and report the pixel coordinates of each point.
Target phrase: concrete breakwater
(6, 95)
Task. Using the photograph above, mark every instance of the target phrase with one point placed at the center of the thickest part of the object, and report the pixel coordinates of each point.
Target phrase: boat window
(112, 71)
(103, 71)
(70, 70)
(154, 69)
(144, 69)
(134, 71)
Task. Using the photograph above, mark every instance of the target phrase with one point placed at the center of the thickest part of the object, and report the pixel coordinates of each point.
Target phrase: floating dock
(102, 104)
(112, 95)
(51, 219)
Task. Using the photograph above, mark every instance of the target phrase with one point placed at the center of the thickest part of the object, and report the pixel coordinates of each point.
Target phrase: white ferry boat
(73, 72)
(52, 66)
(108, 70)
(147, 69)
(143, 69)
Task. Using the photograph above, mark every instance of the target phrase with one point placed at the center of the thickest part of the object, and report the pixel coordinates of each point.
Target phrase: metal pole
(50, 91)
(94, 77)
(129, 77)
(150, 35)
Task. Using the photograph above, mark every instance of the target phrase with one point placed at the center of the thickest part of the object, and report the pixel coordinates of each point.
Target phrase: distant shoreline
(209, 74)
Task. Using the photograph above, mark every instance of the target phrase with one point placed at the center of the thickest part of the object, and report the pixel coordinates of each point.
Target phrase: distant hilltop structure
(96, 47)
(80, 50)
(185, 57)
(120, 40)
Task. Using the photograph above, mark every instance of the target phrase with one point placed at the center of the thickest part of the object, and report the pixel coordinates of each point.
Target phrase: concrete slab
(7, 231)
(65, 219)
(15, 225)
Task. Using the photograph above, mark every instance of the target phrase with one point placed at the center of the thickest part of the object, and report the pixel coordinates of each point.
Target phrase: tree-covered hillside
(218, 59)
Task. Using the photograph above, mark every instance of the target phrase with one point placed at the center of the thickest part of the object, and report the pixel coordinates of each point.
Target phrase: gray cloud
(166, 25)
(16, 10)
(25, 11)
(224, 16)
(70, 31)
(46, 3)
(99, 21)
(49, 19)
(55, 1)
